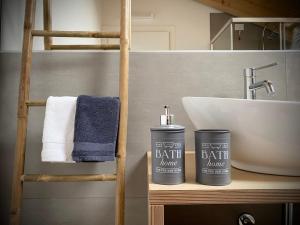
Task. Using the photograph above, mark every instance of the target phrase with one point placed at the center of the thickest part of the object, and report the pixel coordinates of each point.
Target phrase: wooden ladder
(24, 103)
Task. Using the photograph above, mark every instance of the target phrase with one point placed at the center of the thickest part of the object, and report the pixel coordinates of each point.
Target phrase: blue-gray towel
(96, 129)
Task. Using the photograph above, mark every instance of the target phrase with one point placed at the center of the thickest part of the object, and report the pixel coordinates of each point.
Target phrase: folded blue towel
(96, 129)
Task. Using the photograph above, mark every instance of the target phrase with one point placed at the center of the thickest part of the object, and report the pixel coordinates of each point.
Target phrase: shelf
(245, 188)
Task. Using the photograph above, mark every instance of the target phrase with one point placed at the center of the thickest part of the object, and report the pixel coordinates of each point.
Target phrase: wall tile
(70, 211)
(293, 75)
(156, 79)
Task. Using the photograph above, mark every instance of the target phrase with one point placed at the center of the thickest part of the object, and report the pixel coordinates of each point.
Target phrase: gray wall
(155, 79)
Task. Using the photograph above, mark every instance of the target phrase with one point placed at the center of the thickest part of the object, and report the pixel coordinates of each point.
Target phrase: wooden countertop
(246, 187)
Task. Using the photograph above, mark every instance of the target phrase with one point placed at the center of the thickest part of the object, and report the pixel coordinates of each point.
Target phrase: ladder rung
(67, 178)
(84, 47)
(79, 34)
(36, 103)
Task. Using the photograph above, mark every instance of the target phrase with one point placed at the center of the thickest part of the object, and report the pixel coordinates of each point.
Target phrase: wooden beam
(156, 215)
(85, 47)
(36, 103)
(79, 34)
(256, 8)
(129, 26)
(22, 120)
(123, 93)
(47, 23)
(68, 178)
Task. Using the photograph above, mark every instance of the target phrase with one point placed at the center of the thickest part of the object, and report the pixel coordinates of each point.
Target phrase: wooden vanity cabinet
(190, 203)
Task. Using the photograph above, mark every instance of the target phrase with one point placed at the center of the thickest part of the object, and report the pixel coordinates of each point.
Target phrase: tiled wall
(155, 79)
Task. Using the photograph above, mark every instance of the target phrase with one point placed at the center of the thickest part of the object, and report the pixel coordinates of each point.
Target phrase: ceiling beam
(256, 8)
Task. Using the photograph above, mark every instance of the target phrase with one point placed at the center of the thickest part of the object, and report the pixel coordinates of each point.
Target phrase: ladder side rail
(123, 93)
(47, 23)
(22, 117)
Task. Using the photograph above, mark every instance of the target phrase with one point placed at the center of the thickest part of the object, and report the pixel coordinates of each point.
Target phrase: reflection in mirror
(193, 24)
(254, 33)
(165, 24)
(156, 24)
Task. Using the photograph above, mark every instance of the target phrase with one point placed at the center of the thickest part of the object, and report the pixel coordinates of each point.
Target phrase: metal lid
(212, 133)
(175, 128)
(216, 131)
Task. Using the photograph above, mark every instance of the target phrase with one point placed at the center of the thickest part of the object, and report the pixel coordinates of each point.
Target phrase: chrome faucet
(251, 85)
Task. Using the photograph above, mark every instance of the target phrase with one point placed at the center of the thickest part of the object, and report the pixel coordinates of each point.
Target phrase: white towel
(58, 131)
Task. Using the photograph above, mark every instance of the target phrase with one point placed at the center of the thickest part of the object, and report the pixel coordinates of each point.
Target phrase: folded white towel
(58, 131)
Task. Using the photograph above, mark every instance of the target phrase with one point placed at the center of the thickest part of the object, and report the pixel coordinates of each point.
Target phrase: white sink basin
(265, 135)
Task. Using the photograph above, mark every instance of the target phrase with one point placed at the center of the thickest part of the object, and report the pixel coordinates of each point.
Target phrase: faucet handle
(266, 66)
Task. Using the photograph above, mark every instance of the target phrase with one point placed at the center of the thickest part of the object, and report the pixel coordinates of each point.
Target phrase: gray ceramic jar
(168, 154)
(212, 149)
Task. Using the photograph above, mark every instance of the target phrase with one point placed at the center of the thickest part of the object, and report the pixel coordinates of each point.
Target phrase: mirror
(167, 24)
(211, 25)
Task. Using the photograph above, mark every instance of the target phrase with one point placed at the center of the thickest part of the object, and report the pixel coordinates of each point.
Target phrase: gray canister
(213, 166)
(168, 151)
(168, 154)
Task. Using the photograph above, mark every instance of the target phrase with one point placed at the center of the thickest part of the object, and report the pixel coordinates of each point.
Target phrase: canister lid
(212, 133)
(174, 128)
(217, 131)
